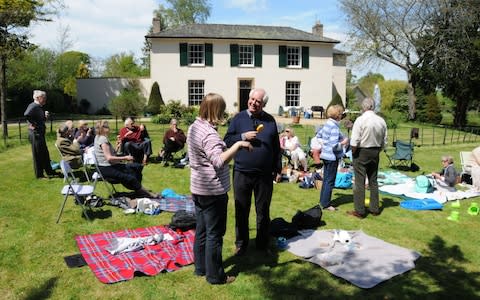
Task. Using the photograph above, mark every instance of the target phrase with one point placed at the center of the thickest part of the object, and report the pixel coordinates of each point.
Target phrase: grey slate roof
(241, 32)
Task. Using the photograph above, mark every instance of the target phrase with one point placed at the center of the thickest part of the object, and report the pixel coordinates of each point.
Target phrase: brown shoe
(354, 213)
(230, 279)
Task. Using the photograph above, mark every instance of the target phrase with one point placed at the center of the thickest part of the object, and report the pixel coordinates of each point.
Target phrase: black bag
(281, 228)
(309, 219)
(183, 220)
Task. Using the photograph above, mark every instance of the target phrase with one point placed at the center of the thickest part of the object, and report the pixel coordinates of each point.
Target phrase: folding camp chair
(403, 155)
(109, 182)
(79, 191)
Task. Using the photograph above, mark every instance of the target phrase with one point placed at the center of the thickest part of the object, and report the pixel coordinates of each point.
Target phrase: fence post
(451, 138)
(445, 135)
(19, 130)
(433, 133)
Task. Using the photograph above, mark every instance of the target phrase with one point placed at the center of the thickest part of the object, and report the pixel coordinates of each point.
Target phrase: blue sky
(105, 27)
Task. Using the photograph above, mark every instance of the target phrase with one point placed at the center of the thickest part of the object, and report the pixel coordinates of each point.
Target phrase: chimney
(157, 25)
(317, 29)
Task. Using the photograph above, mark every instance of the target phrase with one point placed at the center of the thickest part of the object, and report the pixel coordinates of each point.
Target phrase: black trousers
(129, 175)
(40, 154)
(138, 150)
(261, 186)
(211, 215)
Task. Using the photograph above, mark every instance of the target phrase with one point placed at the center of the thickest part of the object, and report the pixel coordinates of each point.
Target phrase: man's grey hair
(368, 104)
(38, 93)
(128, 121)
(265, 95)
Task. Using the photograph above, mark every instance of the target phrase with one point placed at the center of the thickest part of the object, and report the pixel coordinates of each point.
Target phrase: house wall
(99, 91)
(316, 81)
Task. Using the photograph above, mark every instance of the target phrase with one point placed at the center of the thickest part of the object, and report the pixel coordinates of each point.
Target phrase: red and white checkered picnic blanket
(165, 256)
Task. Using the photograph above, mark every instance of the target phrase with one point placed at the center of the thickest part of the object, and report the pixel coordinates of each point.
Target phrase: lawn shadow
(438, 274)
(44, 291)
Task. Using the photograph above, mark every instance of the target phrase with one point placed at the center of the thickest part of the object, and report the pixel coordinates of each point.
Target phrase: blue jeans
(329, 176)
(211, 214)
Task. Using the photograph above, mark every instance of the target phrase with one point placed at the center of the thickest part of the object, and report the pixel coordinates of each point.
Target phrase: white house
(295, 67)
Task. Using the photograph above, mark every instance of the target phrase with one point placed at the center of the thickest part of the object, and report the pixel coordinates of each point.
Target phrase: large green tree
(15, 18)
(389, 30)
(122, 65)
(177, 12)
(451, 49)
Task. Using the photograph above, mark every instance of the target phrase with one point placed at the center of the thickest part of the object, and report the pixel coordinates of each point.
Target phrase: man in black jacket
(254, 171)
(36, 118)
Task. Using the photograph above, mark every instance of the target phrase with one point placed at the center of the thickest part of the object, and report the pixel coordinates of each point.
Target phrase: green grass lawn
(32, 246)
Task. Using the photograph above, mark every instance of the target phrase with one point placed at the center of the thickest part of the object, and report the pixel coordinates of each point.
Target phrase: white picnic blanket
(407, 189)
(363, 260)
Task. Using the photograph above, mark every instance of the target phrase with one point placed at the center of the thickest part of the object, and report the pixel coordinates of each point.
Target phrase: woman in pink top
(209, 184)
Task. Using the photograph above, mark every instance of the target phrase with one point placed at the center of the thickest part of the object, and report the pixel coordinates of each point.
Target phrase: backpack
(343, 180)
(309, 219)
(423, 184)
(183, 221)
(281, 228)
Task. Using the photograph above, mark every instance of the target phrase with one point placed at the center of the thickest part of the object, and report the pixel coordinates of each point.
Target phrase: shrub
(84, 106)
(155, 100)
(432, 112)
(175, 109)
(337, 99)
(393, 118)
(130, 102)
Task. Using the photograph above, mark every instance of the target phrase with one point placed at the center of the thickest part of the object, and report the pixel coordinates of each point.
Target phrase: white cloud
(100, 28)
(247, 5)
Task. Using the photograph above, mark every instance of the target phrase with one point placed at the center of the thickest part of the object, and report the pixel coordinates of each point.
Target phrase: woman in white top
(290, 144)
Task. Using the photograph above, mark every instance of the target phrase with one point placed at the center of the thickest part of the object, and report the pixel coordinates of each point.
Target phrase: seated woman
(447, 177)
(69, 149)
(112, 166)
(290, 144)
(173, 141)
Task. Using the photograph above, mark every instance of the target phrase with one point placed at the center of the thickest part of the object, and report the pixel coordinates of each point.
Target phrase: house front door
(244, 87)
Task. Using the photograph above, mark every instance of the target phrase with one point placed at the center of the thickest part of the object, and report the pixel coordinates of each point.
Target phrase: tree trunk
(460, 115)
(3, 94)
(412, 99)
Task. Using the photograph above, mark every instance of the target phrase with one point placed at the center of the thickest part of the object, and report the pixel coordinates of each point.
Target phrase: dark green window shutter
(183, 54)
(208, 55)
(305, 57)
(233, 55)
(258, 55)
(282, 56)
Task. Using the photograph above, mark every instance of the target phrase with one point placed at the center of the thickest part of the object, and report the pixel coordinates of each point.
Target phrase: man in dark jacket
(254, 171)
(36, 118)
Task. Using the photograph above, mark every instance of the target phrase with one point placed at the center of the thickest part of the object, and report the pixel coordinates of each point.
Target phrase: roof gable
(249, 32)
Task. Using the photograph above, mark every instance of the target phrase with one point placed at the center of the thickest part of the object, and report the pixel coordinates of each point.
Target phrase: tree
(389, 31)
(130, 102)
(15, 18)
(179, 12)
(452, 51)
(122, 65)
(67, 67)
(155, 100)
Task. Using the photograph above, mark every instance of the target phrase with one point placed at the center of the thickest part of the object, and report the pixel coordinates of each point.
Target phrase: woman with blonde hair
(112, 166)
(209, 184)
(332, 151)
